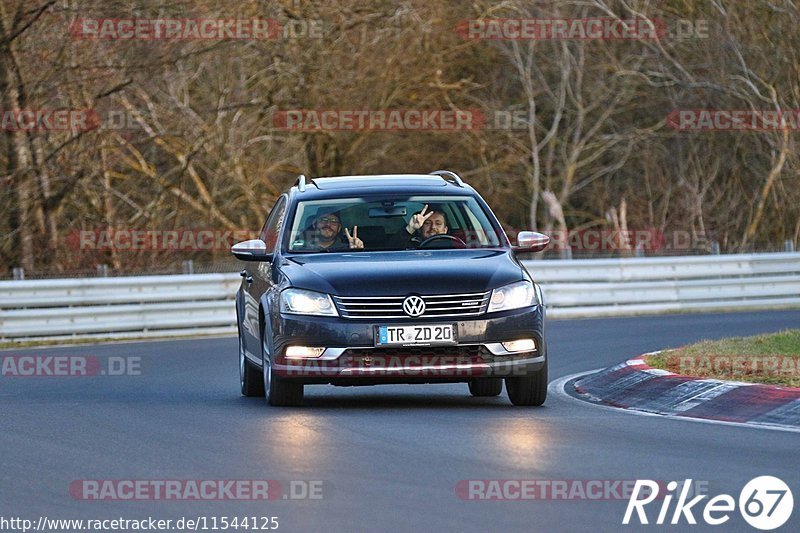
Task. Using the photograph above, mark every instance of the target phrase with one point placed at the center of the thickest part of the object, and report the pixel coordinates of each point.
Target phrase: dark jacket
(403, 240)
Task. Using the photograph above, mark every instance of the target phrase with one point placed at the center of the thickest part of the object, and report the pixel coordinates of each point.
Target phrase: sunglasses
(328, 220)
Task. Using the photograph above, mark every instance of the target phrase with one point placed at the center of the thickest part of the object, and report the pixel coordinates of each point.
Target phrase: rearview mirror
(252, 250)
(388, 211)
(531, 241)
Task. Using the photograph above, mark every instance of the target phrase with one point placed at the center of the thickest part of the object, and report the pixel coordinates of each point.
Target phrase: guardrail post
(714, 247)
(188, 267)
(565, 253)
(18, 273)
(102, 271)
(788, 246)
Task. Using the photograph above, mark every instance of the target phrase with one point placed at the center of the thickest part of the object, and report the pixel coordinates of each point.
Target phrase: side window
(269, 234)
(454, 216)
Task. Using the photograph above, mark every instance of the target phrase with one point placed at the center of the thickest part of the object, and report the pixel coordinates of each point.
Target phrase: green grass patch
(772, 359)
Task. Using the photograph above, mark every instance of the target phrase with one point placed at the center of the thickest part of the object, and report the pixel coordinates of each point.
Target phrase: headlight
(514, 296)
(301, 302)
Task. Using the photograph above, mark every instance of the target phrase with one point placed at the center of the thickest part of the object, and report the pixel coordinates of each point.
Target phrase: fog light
(522, 345)
(303, 351)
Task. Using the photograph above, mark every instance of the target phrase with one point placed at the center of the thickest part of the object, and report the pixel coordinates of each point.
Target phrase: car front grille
(439, 305)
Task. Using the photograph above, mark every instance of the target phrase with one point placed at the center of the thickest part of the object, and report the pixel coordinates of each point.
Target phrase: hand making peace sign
(418, 220)
(353, 239)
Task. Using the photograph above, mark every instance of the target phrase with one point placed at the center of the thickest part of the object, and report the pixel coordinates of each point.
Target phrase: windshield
(380, 224)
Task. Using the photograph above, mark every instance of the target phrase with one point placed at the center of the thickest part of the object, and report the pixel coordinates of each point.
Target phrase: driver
(423, 225)
(435, 223)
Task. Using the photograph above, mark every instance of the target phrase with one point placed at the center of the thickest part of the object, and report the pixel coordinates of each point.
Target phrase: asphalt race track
(389, 457)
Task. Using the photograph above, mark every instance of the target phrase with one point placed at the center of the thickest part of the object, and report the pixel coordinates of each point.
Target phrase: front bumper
(351, 357)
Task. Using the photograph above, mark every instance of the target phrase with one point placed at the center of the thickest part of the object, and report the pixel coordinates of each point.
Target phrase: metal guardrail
(614, 287)
(203, 304)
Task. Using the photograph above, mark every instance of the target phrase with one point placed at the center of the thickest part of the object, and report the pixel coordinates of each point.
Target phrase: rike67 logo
(765, 503)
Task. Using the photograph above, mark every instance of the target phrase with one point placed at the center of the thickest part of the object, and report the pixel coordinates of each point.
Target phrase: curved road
(389, 457)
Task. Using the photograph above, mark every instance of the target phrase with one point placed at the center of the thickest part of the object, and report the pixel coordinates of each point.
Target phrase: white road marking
(556, 387)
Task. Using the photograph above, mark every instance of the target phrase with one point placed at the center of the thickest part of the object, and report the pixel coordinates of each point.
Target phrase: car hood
(401, 273)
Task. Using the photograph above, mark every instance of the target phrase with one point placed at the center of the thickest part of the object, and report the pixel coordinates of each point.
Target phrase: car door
(258, 280)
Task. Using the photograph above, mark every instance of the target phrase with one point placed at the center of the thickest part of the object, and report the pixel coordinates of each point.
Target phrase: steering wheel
(441, 236)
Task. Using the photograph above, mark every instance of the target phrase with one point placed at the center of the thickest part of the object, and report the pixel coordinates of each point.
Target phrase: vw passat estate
(365, 280)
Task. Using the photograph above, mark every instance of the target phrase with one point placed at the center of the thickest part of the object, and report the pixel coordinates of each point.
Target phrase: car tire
(483, 387)
(251, 379)
(279, 392)
(528, 390)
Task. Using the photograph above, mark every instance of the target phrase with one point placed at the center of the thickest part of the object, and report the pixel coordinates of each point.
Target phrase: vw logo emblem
(414, 306)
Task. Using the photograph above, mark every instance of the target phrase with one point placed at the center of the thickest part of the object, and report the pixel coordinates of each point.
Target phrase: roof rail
(448, 174)
(301, 182)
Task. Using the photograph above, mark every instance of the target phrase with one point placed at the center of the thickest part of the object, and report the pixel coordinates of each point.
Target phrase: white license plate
(427, 335)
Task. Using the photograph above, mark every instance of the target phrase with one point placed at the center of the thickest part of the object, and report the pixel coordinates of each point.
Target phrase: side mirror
(253, 250)
(531, 241)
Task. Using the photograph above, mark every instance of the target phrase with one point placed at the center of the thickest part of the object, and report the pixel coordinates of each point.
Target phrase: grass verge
(773, 359)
